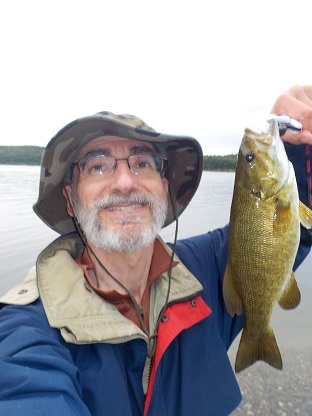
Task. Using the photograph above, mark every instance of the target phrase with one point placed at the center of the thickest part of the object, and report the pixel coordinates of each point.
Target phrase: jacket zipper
(161, 315)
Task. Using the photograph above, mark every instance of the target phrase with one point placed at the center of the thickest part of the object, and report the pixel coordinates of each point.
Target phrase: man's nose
(123, 178)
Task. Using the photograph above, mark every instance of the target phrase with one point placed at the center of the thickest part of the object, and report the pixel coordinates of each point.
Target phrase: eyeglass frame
(161, 171)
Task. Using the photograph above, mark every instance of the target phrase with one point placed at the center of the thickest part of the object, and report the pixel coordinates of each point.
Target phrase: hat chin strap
(135, 304)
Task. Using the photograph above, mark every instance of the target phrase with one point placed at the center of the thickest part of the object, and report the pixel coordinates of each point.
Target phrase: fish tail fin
(253, 349)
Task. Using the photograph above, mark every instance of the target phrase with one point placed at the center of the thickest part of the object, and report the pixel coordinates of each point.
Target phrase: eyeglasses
(145, 164)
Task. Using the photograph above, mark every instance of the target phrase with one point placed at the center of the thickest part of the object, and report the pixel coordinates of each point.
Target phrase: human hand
(297, 103)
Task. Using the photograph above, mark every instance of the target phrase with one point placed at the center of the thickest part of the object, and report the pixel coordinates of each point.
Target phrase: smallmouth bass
(264, 234)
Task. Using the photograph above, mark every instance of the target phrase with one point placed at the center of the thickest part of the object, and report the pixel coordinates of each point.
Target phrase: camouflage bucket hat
(184, 154)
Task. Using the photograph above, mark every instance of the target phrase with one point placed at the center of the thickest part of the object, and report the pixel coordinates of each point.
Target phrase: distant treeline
(220, 163)
(20, 155)
(31, 155)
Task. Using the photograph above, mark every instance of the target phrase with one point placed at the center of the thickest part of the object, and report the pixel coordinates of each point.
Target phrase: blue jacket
(63, 350)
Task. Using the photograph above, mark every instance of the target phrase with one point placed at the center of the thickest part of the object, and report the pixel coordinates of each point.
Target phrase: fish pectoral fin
(233, 302)
(290, 298)
(305, 215)
(283, 202)
(252, 349)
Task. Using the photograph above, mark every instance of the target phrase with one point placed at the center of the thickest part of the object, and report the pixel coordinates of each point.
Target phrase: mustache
(131, 198)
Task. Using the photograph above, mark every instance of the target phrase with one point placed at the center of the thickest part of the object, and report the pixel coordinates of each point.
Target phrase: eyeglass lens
(103, 165)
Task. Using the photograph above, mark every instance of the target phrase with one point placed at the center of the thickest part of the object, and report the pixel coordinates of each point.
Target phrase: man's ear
(68, 194)
(165, 184)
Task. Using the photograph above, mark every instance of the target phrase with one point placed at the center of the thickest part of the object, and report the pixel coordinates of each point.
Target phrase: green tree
(20, 155)
(220, 163)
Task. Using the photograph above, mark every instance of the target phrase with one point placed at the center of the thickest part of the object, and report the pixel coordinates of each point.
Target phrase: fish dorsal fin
(305, 215)
(290, 298)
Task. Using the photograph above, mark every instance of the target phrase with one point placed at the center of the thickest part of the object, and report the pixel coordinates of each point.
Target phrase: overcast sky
(199, 68)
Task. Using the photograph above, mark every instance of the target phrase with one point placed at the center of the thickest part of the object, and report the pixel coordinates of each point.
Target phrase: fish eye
(249, 157)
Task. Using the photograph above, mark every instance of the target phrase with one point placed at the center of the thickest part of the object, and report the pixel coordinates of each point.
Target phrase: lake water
(23, 235)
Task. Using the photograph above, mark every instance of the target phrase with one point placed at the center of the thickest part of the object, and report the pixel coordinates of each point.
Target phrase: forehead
(113, 144)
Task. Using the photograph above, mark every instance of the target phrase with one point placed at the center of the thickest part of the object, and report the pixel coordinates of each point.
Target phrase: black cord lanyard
(134, 302)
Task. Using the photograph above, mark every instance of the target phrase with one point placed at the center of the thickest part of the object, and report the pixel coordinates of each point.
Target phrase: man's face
(122, 211)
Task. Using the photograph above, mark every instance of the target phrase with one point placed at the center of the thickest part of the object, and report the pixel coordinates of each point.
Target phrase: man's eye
(143, 164)
(96, 168)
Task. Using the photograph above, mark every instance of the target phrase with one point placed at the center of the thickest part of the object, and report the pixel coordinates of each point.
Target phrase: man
(112, 321)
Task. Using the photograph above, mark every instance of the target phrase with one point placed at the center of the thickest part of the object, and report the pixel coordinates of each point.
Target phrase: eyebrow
(135, 150)
(141, 149)
(97, 152)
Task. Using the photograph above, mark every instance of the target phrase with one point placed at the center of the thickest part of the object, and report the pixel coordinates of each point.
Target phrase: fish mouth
(267, 158)
(265, 137)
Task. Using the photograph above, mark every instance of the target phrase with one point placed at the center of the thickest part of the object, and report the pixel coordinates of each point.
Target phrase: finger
(304, 137)
(302, 93)
(297, 94)
(297, 103)
(308, 91)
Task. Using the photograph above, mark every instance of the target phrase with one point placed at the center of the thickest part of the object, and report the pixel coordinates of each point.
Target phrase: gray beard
(133, 238)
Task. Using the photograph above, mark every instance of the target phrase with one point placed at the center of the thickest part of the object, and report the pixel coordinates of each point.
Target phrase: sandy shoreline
(267, 391)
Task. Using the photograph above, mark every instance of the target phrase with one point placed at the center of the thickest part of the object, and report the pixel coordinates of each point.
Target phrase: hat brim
(184, 154)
